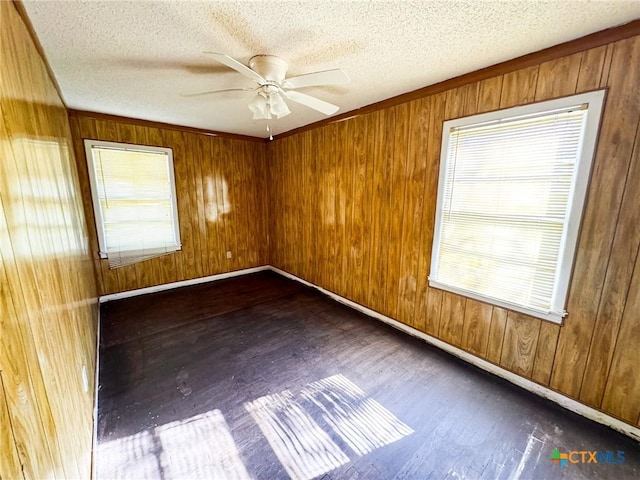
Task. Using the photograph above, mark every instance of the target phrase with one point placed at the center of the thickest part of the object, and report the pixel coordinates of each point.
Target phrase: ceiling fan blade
(237, 66)
(311, 102)
(209, 92)
(326, 77)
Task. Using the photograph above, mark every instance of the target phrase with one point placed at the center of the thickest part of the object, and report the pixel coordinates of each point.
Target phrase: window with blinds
(134, 201)
(510, 197)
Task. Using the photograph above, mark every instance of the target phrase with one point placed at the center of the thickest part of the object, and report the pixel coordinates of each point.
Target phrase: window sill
(133, 253)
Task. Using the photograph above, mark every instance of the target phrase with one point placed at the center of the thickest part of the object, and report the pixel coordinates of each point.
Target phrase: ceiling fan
(269, 72)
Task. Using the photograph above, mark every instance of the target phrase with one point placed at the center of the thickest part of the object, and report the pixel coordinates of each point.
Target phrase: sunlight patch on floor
(360, 421)
(302, 447)
(128, 457)
(199, 447)
(308, 432)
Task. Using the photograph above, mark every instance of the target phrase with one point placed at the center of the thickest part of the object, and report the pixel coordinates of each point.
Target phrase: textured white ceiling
(135, 58)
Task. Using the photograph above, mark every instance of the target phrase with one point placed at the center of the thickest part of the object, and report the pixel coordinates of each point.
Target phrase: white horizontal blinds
(134, 191)
(506, 199)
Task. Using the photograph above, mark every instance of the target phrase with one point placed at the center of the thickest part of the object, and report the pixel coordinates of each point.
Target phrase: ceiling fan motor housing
(270, 67)
(269, 72)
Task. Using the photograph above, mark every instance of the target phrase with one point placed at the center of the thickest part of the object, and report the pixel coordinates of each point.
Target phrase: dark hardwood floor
(260, 377)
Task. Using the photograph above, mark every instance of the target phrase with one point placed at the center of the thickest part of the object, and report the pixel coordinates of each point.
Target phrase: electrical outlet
(229, 254)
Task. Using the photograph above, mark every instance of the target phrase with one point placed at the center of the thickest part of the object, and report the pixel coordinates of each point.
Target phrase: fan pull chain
(269, 131)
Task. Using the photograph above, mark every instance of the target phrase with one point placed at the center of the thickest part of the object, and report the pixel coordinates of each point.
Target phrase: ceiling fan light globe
(278, 106)
(260, 108)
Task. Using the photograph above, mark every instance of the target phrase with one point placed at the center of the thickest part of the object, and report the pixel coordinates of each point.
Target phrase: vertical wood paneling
(297, 209)
(414, 179)
(477, 323)
(325, 206)
(429, 300)
(356, 284)
(185, 263)
(289, 231)
(386, 209)
(292, 232)
(258, 208)
(470, 106)
(274, 158)
(545, 352)
(243, 210)
(311, 189)
(600, 220)
(397, 185)
(378, 200)
(614, 300)
(606, 68)
(197, 226)
(455, 103)
(219, 186)
(382, 258)
(237, 173)
(235, 204)
(220, 217)
(348, 174)
(370, 126)
(453, 306)
(496, 334)
(9, 460)
(623, 384)
(31, 422)
(48, 302)
(260, 177)
(433, 311)
(591, 66)
(202, 264)
(519, 344)
(341, 199)
(213, 251)
(452, 318)
(90, 126)
(489, 94)
(519, 87)
(558, 78)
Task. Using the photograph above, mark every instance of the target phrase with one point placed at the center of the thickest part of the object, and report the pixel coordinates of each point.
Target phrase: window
(134, 200)
(510, 197)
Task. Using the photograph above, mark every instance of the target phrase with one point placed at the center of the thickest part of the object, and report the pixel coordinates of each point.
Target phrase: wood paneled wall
(222, 207)
(353, 207)
(48, 302)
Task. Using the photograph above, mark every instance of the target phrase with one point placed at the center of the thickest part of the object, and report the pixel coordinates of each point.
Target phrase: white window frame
(88, 145)
(577, 198)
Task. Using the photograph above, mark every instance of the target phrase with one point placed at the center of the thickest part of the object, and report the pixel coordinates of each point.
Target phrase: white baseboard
(563, 401)
(183, 283)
